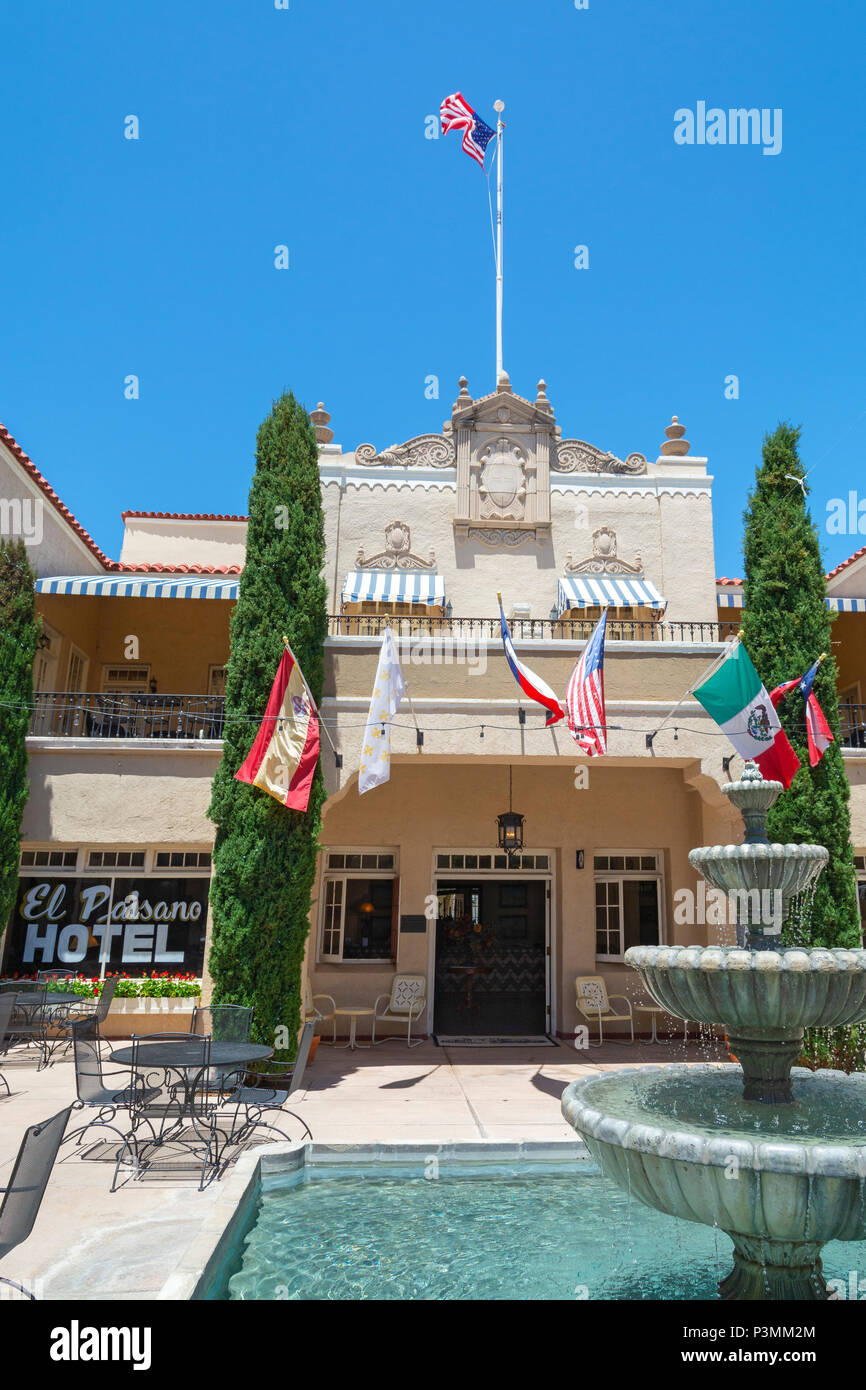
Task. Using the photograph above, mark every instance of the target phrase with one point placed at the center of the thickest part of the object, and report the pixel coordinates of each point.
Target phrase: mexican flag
(740, 705)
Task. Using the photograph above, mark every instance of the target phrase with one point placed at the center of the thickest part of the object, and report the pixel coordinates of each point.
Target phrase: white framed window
(132, 678)
(49, 858)
(360, 901)
(629, 905)
(482, 861)
(77, 671)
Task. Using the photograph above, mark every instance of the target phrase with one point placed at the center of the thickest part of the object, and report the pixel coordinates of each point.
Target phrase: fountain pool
(485, 1229)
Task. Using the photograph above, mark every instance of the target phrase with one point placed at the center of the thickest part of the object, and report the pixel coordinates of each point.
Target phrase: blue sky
(305, 127)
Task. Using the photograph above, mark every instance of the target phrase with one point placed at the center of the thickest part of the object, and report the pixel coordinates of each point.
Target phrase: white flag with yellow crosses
(388, 691)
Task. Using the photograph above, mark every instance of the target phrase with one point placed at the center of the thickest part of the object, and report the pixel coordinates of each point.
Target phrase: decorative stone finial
(320, 418)
(541, 401)
(504, 382)
(675, 444)
(464, 395)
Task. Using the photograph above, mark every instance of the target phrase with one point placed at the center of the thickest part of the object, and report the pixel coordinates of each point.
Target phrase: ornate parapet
(576, 456)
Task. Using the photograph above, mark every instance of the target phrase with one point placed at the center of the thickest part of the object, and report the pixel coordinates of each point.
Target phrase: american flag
(584, 698)
(456, 114)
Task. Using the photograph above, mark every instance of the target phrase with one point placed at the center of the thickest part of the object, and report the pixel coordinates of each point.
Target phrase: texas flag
(283, 758)
(735, 698)
(531, 685)
(817, 728)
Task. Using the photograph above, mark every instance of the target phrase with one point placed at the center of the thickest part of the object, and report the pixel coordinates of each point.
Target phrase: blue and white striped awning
(846, 605)
(596, 591)
(836, 604)
(143, 586)
(394, 586)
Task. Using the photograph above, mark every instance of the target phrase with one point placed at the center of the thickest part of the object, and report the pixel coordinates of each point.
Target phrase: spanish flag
(283, 758)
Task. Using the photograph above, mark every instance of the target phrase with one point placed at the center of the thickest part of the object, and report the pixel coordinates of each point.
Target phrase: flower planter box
(169, 1014)
(168, 1005)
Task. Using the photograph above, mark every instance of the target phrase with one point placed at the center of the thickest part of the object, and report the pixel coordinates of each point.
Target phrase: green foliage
(786, 627)
(265, 855)
(842, 1049)
(19, 633)
(147, 987)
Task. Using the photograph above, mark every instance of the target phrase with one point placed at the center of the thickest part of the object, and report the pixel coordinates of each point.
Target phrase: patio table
(178, 1055)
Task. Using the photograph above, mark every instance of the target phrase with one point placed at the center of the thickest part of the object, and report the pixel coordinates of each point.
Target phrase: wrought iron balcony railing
(852, 719)
(549, 629)
(71, 714)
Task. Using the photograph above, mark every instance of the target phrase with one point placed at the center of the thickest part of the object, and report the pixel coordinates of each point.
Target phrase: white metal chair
(594, 1004)
(315, 1015)
(405, 1003)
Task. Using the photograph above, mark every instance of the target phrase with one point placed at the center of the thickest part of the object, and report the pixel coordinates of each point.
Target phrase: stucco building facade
(126, 733)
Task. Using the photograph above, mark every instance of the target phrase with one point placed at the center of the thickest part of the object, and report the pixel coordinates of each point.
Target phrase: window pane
(27, 857)
(617, 862)
(443, 861)
(600, 861)
(70, 859)
(640, 912)
(386, 861)
(484, 861)
(137, 859)
(123, 859)
(177, 861)
(337, 861)
(472, 861)
(500, 861)
(353, 861)
(369, 861)
(542, 861)
(632, 862)
(161, 860)
(367, 924)
(42, 858)
(529, 861)
(648, 861)
(203, 861)
(457, 861)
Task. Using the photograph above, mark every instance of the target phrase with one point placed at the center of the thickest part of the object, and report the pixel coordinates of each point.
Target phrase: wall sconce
(578, 859)
(153, 685)
(726, 763)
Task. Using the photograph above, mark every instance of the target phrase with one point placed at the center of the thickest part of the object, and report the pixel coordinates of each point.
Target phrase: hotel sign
(135, 925)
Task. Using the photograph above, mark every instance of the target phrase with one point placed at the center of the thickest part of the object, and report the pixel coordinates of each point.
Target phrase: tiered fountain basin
(683, 1139)
(762, 999)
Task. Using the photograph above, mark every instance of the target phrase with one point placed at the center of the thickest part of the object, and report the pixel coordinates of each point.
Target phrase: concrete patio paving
(92, 1244)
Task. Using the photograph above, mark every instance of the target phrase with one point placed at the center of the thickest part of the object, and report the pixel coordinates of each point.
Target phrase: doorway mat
(495, 1040)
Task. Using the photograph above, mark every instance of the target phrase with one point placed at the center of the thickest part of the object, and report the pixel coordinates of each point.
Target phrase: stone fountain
(772, 1154)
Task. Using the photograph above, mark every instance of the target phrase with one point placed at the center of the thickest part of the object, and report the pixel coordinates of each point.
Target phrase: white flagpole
(499, 107)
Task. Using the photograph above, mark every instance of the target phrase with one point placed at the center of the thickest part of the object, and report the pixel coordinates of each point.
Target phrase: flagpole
(499, 107)
(717, 661)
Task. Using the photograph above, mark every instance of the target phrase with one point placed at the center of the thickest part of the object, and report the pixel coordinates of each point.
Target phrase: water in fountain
(771, 1154)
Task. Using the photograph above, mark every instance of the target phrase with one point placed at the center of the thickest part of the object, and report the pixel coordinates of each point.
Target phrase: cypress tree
(786, 627)
(265, 855)
(19, 633)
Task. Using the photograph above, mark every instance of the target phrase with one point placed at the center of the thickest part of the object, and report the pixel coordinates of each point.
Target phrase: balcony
(852, 719)
(72, 714)
(522, 629)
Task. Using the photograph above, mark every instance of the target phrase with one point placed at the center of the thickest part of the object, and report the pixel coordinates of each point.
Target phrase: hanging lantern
(510, 826)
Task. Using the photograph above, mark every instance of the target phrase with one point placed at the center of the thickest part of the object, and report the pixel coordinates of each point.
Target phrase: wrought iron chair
(7, 1003)
(84, 1008)
(163, 1098)
(27, 1183)
(29, 1022)
(221, 1023)
(406, 1003)
(256, 1101)
(93, 1087)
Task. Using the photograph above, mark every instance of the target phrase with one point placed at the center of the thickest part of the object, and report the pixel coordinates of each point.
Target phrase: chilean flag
(817, 728)
(283, 757)
(529, 683)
